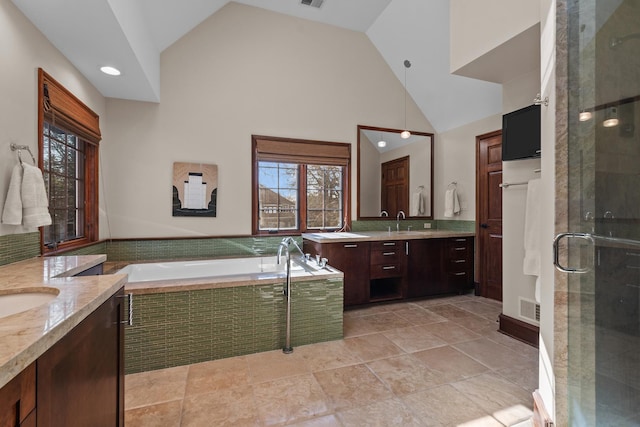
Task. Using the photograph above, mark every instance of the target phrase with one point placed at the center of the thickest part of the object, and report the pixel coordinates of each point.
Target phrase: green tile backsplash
(179, 328)
(16, 247)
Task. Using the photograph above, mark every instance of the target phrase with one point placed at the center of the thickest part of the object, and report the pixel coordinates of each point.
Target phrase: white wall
(547, 287)
(455, 160)
(243, 71)
(24, 49)
(477, 27)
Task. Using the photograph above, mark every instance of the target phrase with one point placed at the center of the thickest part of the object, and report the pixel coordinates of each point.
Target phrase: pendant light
(405, 133)
(382, 143)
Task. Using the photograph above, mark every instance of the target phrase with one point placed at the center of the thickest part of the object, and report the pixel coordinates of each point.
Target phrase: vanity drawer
(386, 256)
(459, 248)
(387, 245)
(382, 271)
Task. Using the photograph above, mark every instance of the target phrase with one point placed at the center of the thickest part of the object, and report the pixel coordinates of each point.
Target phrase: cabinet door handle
(406, 248)
(458, 261)
(460, 249)
(350, 246)
(389, 244)
(389, 267)
(460, 274)
(388, 253)
(461, 240)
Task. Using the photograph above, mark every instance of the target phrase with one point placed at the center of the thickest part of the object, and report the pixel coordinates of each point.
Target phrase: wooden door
(489, 214)
(395, 186)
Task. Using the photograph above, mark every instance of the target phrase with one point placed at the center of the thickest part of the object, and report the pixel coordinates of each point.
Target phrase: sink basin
(22, 300)
(341, 235)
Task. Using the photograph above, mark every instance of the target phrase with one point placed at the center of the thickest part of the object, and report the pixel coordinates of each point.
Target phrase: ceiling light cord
(405, 133)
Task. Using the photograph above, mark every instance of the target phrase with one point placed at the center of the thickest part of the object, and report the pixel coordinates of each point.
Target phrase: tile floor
(436, 362)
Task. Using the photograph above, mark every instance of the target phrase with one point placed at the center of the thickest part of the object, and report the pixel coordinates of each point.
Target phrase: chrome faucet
(398, 219)
(384, 213)
(284, 244)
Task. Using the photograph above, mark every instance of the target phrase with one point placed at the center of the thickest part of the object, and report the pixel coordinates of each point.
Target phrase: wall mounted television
(521, 134)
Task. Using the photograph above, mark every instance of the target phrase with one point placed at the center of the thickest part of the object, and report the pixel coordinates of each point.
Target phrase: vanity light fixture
(405, 133)
(112, 71)
(611, 118)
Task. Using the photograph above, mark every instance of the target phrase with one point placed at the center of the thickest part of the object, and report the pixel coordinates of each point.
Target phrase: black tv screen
(521, 134)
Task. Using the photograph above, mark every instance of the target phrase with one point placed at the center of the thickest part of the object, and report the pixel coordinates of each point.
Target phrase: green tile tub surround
(185, 327)
(213, 247)
(16, 247)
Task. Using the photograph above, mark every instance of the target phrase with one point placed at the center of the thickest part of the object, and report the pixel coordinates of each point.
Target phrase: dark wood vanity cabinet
(80, 379)
(350, 258)
(18, 400)
(396, 269)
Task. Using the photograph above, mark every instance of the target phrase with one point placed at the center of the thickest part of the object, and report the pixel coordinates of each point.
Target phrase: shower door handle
(556, 253)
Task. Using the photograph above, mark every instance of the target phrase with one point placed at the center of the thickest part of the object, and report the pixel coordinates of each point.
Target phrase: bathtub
(253, 267)
(188, 312)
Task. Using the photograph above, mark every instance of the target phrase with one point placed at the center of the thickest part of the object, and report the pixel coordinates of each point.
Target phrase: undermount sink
(24, 299)
(339, 235)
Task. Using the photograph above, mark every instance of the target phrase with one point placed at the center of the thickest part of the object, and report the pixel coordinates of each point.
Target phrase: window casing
(299, 185)
(68, 157)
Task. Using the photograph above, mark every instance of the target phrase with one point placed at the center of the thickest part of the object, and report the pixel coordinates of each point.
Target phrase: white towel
(417, 204)
(12, 211)
(451, 203)
(35, 204)
(531, 262)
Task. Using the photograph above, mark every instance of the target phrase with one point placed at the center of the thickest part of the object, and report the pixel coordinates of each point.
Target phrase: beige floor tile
(386, 321)
(419, 316)
(149, 388)
(524, 376)
(492, 354)
(486, 421)
(234, 407)
(356, 326)
(505, 401)
(450, 363)
(290, 400)
(218, 374)
(451, 332)
(371, 347)
(439, 300)
(443, 406)
(272, 365)
(476, 324)
(327, 355)
(482, 309)
(515, 345)
(387, 413)
(326, 421)
(161, 415)
(414, 338)
(405, 374)
(352, 386)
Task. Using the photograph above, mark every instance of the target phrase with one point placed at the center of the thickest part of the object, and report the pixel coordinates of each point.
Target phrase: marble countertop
(377, 236)
(27, 335)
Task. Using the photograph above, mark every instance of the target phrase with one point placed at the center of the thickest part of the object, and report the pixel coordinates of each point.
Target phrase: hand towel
(417, 204)
(12, 211)
(451, 203)
(35, 204)
(531, 262)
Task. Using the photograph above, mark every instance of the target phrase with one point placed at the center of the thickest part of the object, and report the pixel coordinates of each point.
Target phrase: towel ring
(452, 183)
(18, 148)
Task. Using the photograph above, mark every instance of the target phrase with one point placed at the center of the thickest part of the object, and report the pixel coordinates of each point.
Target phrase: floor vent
(313, 3)
(529, 309)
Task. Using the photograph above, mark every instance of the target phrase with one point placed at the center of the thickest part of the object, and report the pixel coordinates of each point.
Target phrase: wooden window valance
(64, 109)
(268, 148)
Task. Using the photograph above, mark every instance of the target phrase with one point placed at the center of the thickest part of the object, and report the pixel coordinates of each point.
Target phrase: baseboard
(519, 330)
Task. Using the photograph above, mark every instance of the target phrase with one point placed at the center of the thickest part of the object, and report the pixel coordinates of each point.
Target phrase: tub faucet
(284, 244)
(398, 219)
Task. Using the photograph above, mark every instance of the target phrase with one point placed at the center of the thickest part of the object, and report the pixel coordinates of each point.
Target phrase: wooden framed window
(68, 156)
(299, 185)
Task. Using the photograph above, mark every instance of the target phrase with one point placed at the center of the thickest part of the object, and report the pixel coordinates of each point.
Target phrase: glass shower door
(604, 213)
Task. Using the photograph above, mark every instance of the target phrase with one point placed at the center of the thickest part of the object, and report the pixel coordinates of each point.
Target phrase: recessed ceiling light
(110, 70)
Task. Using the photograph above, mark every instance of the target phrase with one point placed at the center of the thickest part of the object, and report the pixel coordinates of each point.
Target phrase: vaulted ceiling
(131, 35)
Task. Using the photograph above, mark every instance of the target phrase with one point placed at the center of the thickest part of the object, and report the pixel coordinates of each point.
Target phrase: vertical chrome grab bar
(556, 253)
(129, 297)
